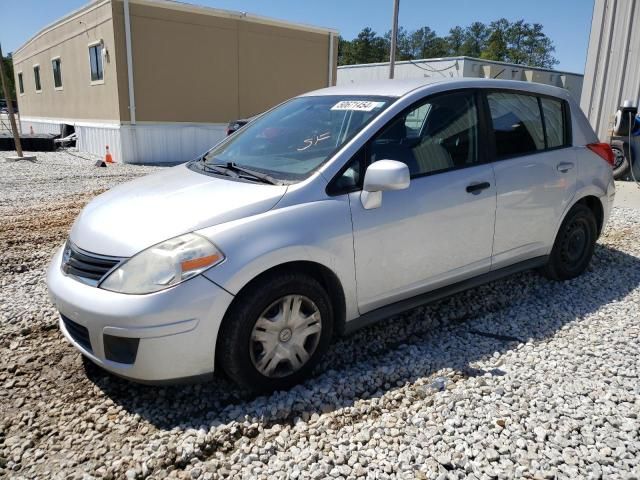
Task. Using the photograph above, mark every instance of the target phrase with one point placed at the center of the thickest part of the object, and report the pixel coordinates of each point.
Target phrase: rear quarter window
(555, 123)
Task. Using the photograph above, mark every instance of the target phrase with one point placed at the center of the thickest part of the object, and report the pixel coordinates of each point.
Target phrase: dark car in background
(3, 106)
(235, 125)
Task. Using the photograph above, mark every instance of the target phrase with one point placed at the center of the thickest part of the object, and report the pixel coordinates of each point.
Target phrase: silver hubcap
(285, 336)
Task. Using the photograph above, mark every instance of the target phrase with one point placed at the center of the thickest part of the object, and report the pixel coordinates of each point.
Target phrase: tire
(621, 159)
(256, 326)
(574, 245)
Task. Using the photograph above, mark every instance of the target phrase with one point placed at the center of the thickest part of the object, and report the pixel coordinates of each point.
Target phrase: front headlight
(164, 265)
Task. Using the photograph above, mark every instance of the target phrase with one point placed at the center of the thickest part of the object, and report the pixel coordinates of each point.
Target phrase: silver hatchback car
(335, 209)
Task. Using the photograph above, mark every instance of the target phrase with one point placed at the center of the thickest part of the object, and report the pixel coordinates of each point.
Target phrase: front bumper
(177, 328)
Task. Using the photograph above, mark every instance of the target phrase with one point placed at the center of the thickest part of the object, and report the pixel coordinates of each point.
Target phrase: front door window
(438, 135)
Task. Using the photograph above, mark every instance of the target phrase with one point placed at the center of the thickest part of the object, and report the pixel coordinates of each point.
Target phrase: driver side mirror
(381, 176)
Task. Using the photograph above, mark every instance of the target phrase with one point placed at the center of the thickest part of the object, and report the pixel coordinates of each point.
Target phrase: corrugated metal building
(158, 80)
(612, 72)
(450, 67)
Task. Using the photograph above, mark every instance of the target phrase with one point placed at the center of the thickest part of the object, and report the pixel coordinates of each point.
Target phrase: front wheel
(275, 332)
(574, 245)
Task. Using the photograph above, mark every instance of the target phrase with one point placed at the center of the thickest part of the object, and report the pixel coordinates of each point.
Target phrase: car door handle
(564, 167)
(476, 188)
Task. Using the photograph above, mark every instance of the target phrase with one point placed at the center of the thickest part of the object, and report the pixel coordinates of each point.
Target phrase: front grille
(85, 265)
(79, 333)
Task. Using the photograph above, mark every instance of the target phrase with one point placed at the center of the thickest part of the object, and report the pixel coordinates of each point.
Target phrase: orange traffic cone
(107, 156)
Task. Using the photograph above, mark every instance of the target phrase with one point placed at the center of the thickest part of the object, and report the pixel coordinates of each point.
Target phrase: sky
(566, 22)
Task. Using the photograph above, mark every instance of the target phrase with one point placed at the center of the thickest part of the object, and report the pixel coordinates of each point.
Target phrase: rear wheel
(275, 332)
(574, 245)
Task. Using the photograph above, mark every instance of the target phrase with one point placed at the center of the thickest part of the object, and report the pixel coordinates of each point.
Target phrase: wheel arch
(592, 202)
(321, 273)
(560, 264)
(595, 205)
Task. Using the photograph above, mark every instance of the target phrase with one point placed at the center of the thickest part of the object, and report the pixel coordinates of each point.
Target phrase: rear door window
(554, 122)
(517, 124)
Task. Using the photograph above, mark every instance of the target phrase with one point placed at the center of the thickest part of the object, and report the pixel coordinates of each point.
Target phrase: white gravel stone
(424, 395)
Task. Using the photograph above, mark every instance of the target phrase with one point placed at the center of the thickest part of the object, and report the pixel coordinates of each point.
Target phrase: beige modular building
(158, 80)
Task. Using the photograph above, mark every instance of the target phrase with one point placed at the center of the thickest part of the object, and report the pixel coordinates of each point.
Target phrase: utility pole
(394, 38)
(12, 118)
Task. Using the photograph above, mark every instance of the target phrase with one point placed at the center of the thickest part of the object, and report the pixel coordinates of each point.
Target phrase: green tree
(8, 71)
(404, 51)
(368, 47)
(455, 40)
(475, 39)
(345, 56)
(515, 42)
(516, 35)
(528, 45)
(496, 46)
(403, 45)
(538, 48)
(425, 43)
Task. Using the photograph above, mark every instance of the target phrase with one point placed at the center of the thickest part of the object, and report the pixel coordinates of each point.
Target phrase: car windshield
(294, 139)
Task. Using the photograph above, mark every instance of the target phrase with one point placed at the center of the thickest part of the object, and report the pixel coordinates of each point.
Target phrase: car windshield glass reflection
(294, 139)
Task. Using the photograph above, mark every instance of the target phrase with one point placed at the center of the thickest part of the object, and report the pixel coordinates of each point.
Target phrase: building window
(20, 83)
(36, 77)
(95, 59)
(57, 73)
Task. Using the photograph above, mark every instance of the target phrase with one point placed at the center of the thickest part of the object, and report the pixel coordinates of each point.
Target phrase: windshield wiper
(216, 169)
(234, 167)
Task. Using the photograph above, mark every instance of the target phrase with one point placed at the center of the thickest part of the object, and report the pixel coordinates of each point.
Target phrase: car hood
(154, 208)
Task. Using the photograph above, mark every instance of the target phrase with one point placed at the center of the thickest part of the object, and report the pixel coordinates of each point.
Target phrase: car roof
(399, 88)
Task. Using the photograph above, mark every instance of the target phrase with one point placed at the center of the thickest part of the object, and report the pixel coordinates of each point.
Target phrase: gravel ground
(521, 378)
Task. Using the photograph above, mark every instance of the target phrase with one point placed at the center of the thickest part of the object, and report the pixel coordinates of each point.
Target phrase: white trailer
(432, 69)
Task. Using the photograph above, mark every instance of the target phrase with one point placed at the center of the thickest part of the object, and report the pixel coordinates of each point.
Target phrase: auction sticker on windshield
(358, 105)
